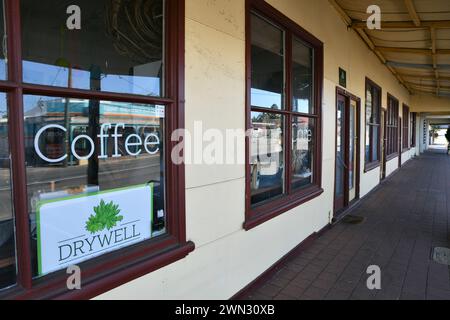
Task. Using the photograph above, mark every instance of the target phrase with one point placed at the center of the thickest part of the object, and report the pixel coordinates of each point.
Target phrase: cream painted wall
(227, 258)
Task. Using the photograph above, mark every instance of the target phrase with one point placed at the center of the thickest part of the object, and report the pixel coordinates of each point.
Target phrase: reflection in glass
(119, 45)
(369, 105)
(7, 247)
(55, 171)
(302, 77)
(375, 142)
(367, 143)
(267, 65)
(340, 148)
(303, 137)
(267, 154)
(352, 146)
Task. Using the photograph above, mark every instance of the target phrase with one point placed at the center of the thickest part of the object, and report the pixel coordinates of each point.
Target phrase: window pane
(3, 69)
(267, 156)
(353, 134)
(267, 65)
(119, 47)
(302, 74)
(375, 143)
(95, 172)
(7, 247)
(367, 147)
(376, 106)
(369, 104)
(303, 139)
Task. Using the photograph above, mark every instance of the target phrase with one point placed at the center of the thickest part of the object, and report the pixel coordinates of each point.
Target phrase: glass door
(353, 140)
(341, 155)
(347, 151)
(383, 145)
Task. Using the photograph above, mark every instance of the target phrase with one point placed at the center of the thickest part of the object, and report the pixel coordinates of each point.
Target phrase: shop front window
(82, 153)
(392, 127)
(285, 79)
(405, 124)
(7, 244)
(267, 64)
(92, 184)
(303, 133)
(118, 48)
(373, 125)
(267, 156)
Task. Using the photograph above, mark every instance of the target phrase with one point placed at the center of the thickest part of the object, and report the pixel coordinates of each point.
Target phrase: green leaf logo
(106, 217)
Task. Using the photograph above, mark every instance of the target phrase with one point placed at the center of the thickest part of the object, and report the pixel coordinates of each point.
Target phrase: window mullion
(288, 106)
(16, 133)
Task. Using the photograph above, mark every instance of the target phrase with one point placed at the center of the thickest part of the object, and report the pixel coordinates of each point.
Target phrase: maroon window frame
(405, 130)
(371, 162)
(114, 269)
(255, 216)
(413, 129)
(392, 127)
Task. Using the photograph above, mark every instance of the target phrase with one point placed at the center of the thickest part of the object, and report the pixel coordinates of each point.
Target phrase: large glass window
(285, 71)
(78, 151)
(92, 114)
(118, 46)
(267, 156)
(302, 77)
(303, 140)
(373, 131)
(7, 244)
(413, 129)
(405, 124)
(392, 127)
(267, 64)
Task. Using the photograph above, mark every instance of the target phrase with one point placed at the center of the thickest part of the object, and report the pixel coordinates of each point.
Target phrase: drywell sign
(79, 228)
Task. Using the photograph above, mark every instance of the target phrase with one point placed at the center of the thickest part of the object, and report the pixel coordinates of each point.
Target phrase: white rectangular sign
(79, 228)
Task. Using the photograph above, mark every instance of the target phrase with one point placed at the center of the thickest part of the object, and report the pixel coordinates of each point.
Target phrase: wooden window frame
(392, 127)
(413, 129)
(256, 215)
(113, 269)
(371, 163)
(405, 138)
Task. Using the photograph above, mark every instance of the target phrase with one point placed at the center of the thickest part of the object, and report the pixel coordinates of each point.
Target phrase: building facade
(92, 98)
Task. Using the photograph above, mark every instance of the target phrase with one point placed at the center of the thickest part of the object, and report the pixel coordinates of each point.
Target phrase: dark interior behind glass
(120, 44)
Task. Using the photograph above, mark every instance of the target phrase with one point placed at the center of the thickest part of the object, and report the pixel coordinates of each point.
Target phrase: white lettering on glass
(36, 143)
(129, 144)
(133, 143)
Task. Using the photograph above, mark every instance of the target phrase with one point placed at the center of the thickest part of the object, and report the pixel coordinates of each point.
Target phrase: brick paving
(406, 218)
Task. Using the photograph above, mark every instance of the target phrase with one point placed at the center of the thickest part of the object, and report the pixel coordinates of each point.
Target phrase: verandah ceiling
(414, 40)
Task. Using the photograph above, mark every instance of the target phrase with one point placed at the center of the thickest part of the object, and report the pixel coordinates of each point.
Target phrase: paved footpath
(405, 219)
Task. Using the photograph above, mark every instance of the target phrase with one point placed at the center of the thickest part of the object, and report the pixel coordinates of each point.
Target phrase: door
(341, 184)
(353, 150)
(347, 151)
(383, 144)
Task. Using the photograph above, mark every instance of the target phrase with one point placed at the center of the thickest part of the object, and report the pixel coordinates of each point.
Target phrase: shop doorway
(383, 145)
(347, 174)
